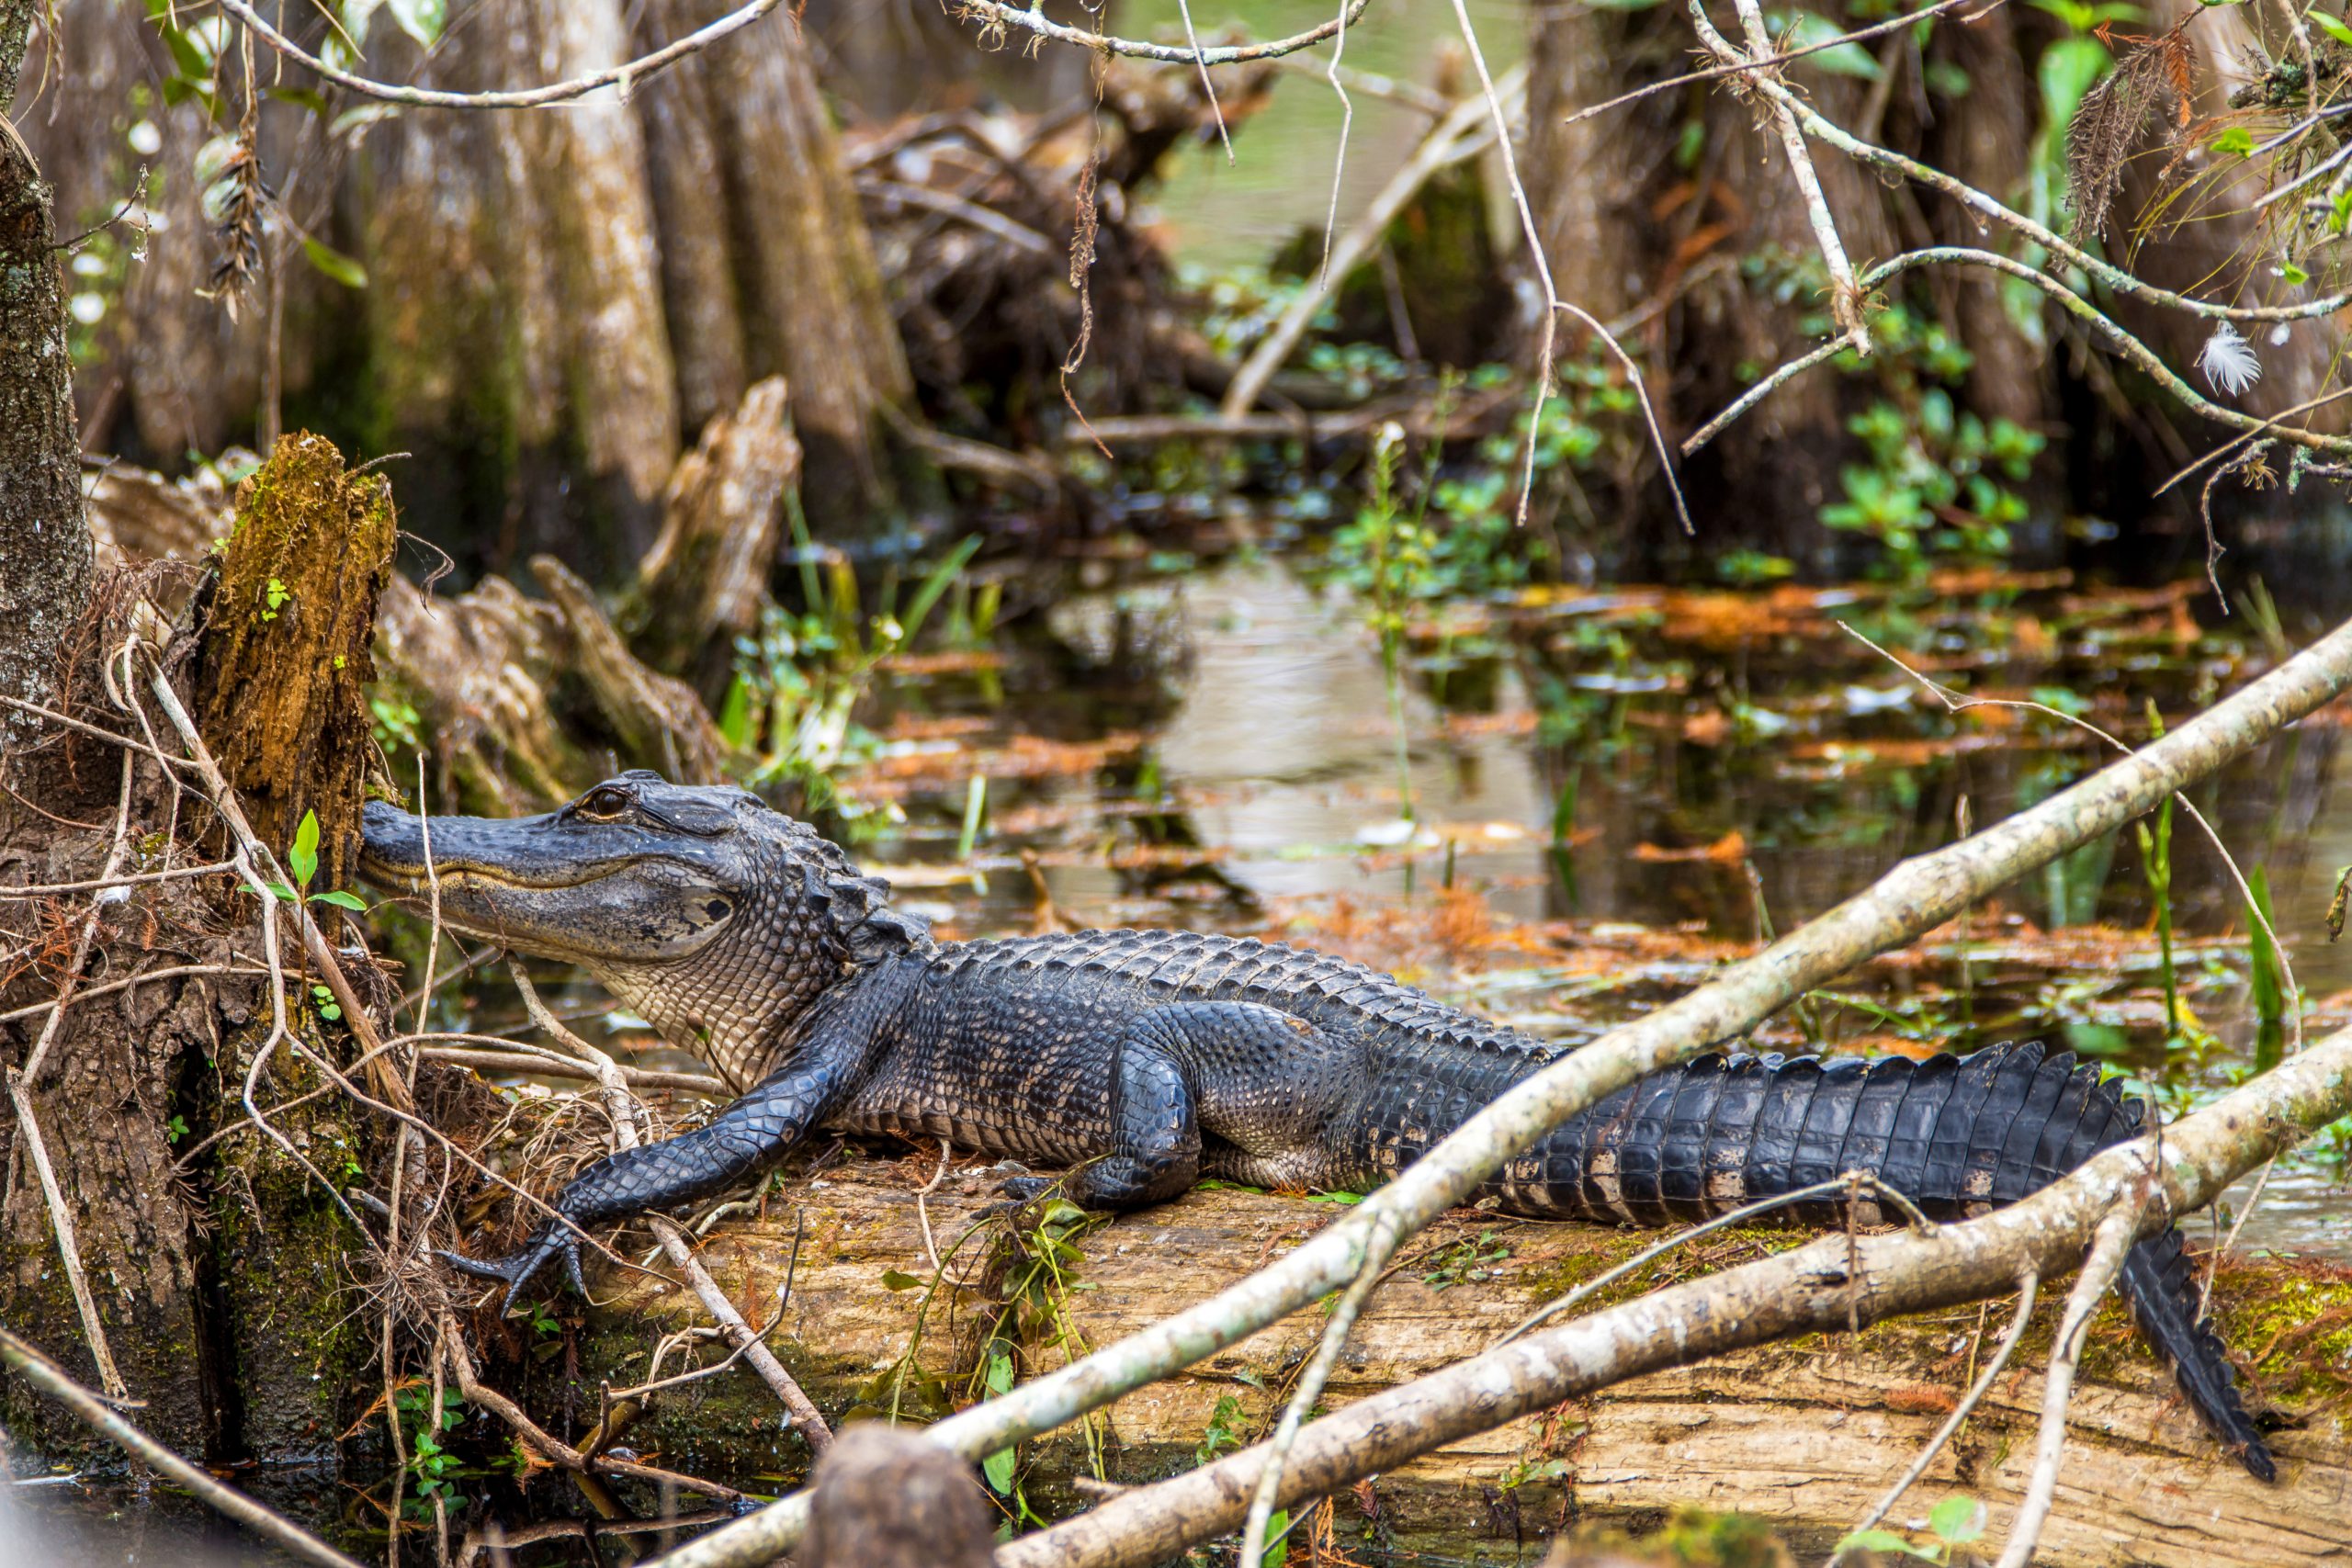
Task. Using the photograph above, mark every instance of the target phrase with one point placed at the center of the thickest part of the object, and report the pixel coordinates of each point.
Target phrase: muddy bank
(1803, 1435)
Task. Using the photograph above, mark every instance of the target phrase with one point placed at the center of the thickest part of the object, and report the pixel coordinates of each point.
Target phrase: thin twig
(20, 1082)
(2027, 1283)
(995, 13)
(923, 1203)
(1649, 410)
(622, 1106)
(45, 1375)
(1533, 235)
(1845, 295)
(2108, 1244)
(626, 78)
(1985, 206)
(1459, 136)
(2131, 348)
(1748, 66)
(125, 879)
(1193, 41)
(1849, 1182)
(552, 1065)
(548, 1446)
(1379, 1247)
(1340, 159)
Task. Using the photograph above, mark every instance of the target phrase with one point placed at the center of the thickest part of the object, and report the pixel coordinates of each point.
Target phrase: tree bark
(702, 584)
(515, 303)
(166, 371)
(45, 561)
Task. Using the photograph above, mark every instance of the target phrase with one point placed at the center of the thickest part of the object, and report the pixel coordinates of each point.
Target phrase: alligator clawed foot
(1023, 1190)
(518, 1268)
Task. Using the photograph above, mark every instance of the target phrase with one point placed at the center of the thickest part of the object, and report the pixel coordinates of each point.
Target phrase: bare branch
(2108, 1244)
(996, 14)
(625, 78)
(1845, 295)
(2027, 1284)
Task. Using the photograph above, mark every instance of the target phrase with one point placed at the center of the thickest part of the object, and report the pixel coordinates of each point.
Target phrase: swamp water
(1604, 796)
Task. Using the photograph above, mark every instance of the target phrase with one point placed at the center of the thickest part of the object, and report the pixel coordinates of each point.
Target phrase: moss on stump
(281, 684)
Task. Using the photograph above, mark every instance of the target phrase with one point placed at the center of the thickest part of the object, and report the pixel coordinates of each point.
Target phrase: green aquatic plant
(800, 679)
(1951, 1524)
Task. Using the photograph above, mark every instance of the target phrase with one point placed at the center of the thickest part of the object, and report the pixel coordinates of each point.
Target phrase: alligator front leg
(749, 1136)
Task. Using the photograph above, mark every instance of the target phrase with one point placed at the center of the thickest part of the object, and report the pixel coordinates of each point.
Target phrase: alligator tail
(1956, 1136)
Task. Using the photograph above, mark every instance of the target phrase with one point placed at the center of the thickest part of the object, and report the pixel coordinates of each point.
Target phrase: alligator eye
(606, 802)
(717, 908)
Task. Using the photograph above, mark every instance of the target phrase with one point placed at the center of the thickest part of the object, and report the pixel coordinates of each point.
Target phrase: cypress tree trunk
(747, 123)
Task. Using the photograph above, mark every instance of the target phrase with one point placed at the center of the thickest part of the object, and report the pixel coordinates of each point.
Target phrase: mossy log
(1804, 1435)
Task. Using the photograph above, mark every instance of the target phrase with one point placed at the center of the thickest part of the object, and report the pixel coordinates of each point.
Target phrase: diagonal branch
(995, 14)
(626, 77)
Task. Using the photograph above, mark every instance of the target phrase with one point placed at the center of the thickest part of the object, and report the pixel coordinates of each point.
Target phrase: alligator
(1146, 1060)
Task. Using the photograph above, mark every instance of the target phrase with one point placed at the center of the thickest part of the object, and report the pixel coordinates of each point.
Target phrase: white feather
(2229, 361)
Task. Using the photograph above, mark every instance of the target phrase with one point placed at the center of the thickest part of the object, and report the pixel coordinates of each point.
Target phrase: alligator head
(718, 917)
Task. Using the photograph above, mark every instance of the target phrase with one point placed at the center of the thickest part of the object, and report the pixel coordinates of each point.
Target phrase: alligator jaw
(599, 894)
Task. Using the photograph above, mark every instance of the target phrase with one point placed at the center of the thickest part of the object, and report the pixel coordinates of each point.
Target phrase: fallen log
(1806, 1434)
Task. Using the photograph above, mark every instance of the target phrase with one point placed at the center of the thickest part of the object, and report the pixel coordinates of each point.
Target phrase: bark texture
(702, 584)
(45, 560)
(515, 307)
(884, 1498)
(556, 300)
(756, 142)
(1804, 1434)
(166, 370)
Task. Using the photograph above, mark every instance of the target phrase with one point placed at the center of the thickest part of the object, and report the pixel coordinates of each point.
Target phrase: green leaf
(188, 52)
(1807, 28)
(2068, 69)
(275, 889)
(360, 117)
(894, 1280)
(1000, 1374)
(334, 264)
(1957, 1519)
(341, 900)
(997, 1468)
(302, 859)
(2237, 140)
(2293, 274)
(2333, 26)
(357, 15)
(1277, 1547)
(301, 97)
(421, 20)
(1879, 1540)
